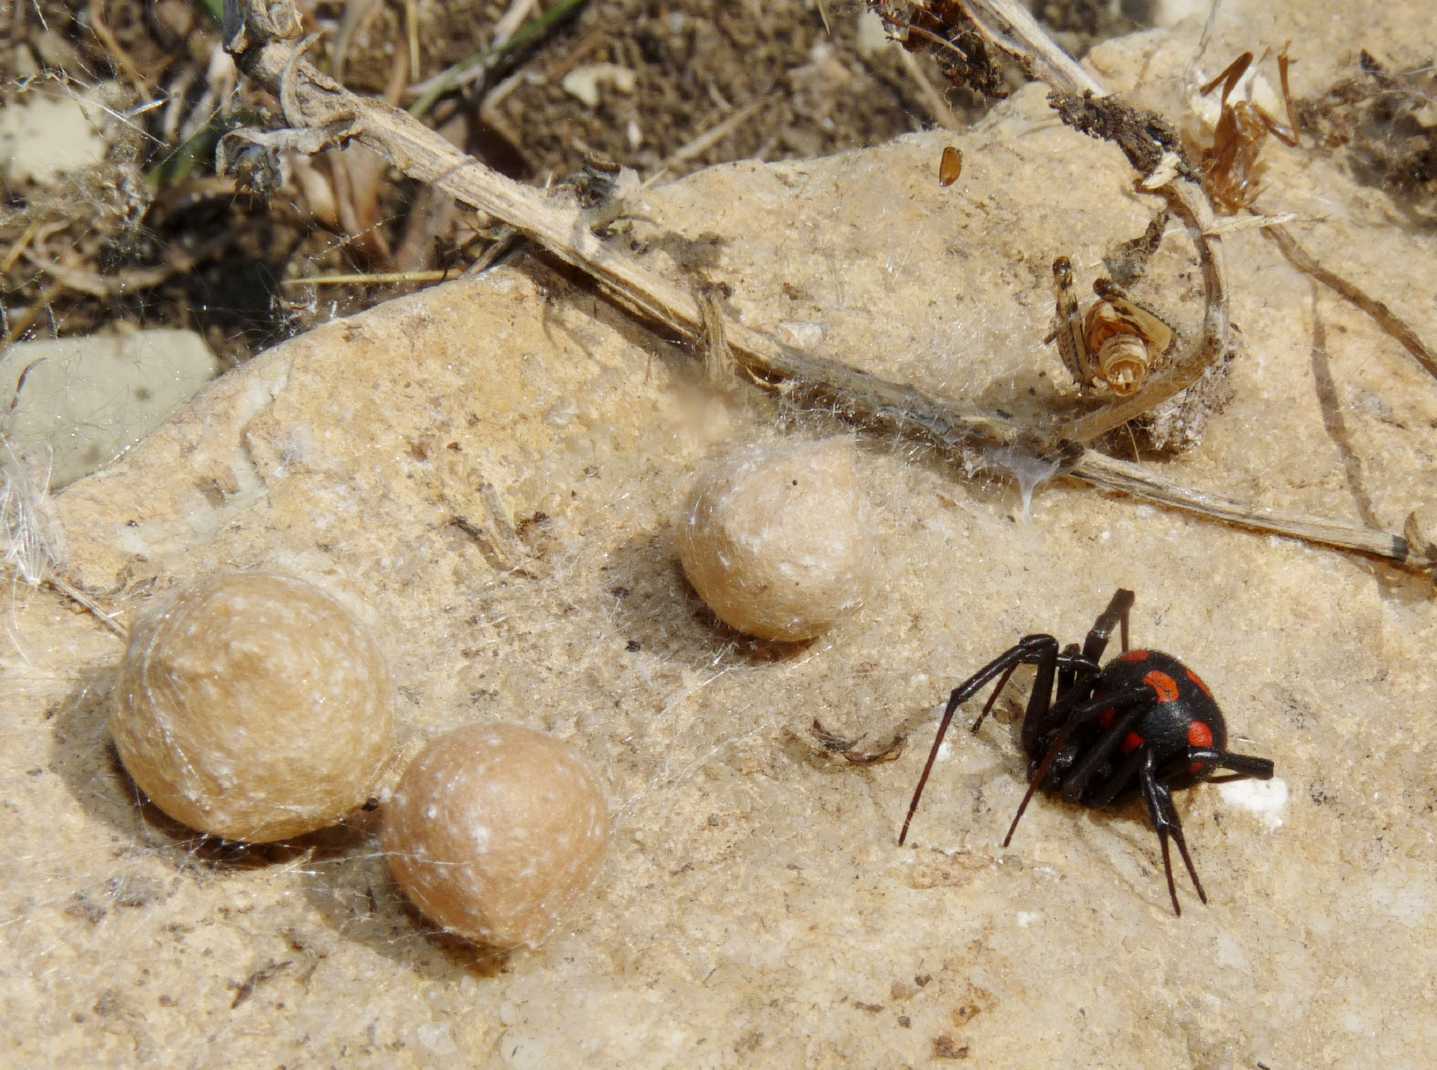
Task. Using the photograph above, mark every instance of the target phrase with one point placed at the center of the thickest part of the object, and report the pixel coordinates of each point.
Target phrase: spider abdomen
(1183, 712)
(1179, 716)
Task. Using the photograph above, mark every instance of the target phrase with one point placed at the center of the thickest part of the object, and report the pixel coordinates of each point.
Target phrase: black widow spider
(1143, 722)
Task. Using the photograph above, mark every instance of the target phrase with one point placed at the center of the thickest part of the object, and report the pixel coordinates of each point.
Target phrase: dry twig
(380, 278)
(26, 319)
(264, 41)
(1388, 320)
(315, 104)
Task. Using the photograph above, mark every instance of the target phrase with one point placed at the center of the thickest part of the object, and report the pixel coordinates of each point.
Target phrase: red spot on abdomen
(1163, 685)
(1135, 655)
(1195, 678)
(1199, 735)
(1132, 742)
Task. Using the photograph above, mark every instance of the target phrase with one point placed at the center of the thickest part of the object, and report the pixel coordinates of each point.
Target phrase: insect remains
(950, 166)
(1231, 165)
(1116, 343)
(1144, 723)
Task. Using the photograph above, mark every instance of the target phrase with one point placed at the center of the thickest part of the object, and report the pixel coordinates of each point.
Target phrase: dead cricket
(1115, 344)
(1232, 164)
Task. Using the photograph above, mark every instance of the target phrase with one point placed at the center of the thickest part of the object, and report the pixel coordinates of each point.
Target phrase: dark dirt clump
(1383, 120)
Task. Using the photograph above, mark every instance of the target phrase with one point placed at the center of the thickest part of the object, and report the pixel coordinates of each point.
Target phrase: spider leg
(1031, 649)
(1078, 716)
(1077, 778)
(1116, 615)
(1243, 766)
(1165, 821)
(1075, 685)
(1250, 767)
(1040, 699)
(1067, 672)
(1253, 768)
(1106, 791)
(992, 697)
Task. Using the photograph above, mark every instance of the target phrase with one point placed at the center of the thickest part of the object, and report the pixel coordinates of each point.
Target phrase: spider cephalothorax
(1144, 723)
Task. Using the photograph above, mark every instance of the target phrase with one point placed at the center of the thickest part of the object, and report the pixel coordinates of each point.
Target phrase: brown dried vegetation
(1387, 123)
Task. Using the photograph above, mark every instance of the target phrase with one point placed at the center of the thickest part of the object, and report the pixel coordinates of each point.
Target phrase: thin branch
(714, 134)
(314, 102)
(1012, 28)
(928, 93)
(126, 66)
(1388, 320)
(88, 604)
(27, 319)
(386, 278)
(1113, 474)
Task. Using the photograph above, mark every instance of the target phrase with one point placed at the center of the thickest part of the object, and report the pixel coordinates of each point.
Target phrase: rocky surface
(90, 399)
(495, 467)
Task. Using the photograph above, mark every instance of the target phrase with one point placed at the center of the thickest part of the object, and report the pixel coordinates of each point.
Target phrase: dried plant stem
(313, 102)
(1112, 474)
(27, 319)
(88, 604)
(1012, 28)
(714, 134)
(932, 99)
(384, 278)
(100, 26)
(13, 254)
(477, 66)
(108, 284)
(1388, 320)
